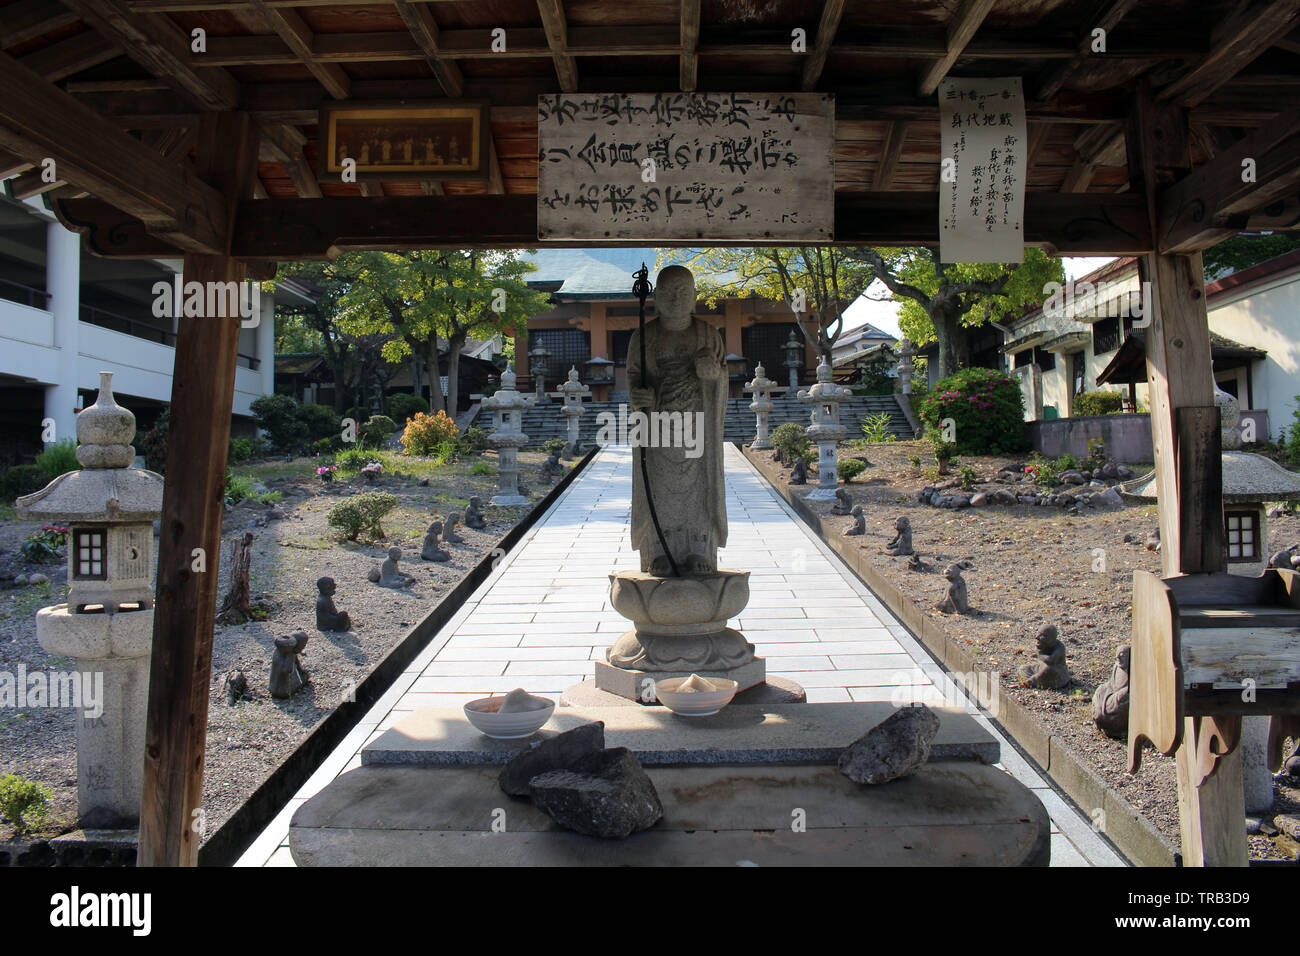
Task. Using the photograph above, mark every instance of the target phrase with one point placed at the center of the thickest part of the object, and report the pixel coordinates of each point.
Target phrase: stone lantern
(571, 393)
(793, 358)
(761, 388)
(906, 352)
(824, 399)
(538, 366)
(506, 406)
(106, 626)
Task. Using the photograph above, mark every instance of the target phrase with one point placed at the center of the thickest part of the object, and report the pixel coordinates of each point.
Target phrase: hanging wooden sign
(660, 166)
(982, 170)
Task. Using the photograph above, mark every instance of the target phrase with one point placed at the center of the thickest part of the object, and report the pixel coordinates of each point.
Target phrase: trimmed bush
(22, 480)
(360, 515)
(1099, 403)
(425, 433)
(241, 449)
(59, 459)
(376, 430)
(474, 440)
(320, 421)
(278, 416)
(553, 446)
(404, 405)
(850, 468)
(986, 407)
(23, 802)
(791, 440)
(353, 459)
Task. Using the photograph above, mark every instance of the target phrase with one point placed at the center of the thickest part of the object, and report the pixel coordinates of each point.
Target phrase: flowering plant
(326, 472)
(373, 470)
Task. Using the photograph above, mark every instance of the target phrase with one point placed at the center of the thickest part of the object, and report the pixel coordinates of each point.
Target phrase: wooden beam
(293, 30)
(961, 29)
(566, 67)
(203, 384)
(891, 151)
(431, 187)
(284, 145)
(496, 184)
(37, 120)
(424, 29)
(29, 19)
(71, 56)
(1216, 201)
(1249, 30)
(1106, 17)
(370, 190)
(11, 165)
(832, 11)
(160, 47)
(31, 184)
(689, 68)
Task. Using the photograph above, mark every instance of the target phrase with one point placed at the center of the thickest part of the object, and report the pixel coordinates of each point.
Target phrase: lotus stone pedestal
(681, 629)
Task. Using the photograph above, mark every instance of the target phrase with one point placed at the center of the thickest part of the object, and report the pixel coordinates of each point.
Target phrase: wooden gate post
(1180, 376)
(203, 382)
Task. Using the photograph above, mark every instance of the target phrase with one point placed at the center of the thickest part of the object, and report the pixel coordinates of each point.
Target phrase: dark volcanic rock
(894, 748)
(606, 795)
(561, 752)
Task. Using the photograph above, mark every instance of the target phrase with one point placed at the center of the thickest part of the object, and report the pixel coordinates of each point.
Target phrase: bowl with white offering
(517, 714)
(695, 696)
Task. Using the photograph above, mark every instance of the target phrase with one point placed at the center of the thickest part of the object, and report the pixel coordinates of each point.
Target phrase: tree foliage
(1246, 250)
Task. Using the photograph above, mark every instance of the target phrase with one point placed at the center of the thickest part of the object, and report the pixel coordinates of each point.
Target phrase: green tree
(1245, 250)
(421, 298)
(940, 299)
(818, 283)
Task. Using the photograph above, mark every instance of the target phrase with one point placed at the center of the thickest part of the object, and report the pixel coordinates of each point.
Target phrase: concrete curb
(225, 846)
(1132, 833)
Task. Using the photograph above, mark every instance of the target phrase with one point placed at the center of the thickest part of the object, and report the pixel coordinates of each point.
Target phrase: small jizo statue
(901, 543)
(550, 469)
(799, 476)
(1110, 699)
(859, 525)
(474, 514)
(431, 551)
(328, 617)
(843, 503)
(449, 535)
(287, 673)
(387, 574)
(1049, 671)
(956, 600)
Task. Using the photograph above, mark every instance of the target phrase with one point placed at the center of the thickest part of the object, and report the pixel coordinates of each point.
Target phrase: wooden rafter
(566, 67)
(11, 165)
(29, 19)
(832, 10)
(69, 57)
(160, 47)
(32, 184)
(496, 185)
(1106, 17)
(689, 70)
(961, 30)
(284, 145)
(1250, 29)
(293, 30)
(424, 30)
(891, 151)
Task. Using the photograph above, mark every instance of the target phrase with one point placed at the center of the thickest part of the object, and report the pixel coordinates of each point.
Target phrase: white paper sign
(686, 166)
(982, 170)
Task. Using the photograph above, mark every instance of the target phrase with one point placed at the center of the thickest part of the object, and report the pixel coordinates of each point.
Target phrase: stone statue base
(508, 500)
(638, 685)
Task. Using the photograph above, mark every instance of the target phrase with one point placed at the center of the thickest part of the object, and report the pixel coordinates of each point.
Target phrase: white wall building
(66, 315)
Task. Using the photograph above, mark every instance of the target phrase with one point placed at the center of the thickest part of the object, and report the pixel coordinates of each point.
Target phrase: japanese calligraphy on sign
(982, 170)
(686, 166)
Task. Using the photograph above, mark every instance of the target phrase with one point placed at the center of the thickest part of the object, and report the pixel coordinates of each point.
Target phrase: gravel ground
(1034, 566)
(248, 741)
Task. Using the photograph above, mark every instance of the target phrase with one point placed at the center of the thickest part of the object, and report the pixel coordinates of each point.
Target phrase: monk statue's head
(675, 297)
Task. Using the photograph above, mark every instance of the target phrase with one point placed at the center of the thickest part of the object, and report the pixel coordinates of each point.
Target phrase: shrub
(241, 449)
(1102, 402)
(23, 802)
(59, 458)
(238, 487)
(153, 443)
(278, 416)
(474, 440)
(986, 407)
(446, 452)
(482, 468)
(353, 459)
(875, 428)
(323, 446)
(791, 440)
(1042, 471)
(42, 547)
(968, 477)
(320, 421)
(404, 405)
(1066, 462)
(23, 480)
(376, 430)
(850, 468)
(554, 446)
(361, 514)
(425, 433)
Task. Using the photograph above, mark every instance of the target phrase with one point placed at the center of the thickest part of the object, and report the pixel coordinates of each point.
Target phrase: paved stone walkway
(543, 616)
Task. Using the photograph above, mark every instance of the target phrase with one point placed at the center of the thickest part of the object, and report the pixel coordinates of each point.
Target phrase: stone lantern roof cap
(118, 495)
(1247, 479)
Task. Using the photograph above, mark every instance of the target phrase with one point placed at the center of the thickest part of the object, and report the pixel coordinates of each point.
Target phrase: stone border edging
(1132, 833)
(228, 843)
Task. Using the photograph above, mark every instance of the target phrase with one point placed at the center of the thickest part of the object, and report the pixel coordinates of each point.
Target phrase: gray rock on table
(430, 551)
(894, 748)
(859, 525)
(1049, 671)
(605, 795)
(561, 752)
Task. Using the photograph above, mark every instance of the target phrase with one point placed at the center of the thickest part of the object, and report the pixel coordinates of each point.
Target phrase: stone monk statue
(685, 371)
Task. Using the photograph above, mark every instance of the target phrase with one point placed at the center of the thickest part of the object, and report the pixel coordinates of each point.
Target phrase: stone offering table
(731, 784)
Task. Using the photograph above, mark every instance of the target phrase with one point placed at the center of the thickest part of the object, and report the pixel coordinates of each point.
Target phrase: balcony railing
(140, 330)
(23, 294)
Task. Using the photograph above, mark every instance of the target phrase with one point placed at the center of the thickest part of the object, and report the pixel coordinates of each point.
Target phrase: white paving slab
(543, 615)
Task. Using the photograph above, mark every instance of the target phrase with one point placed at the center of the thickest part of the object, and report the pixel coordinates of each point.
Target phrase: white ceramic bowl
(482, 713)
(698, 704)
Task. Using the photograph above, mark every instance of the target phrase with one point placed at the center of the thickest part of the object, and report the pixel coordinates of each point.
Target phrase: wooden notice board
(660, 166)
